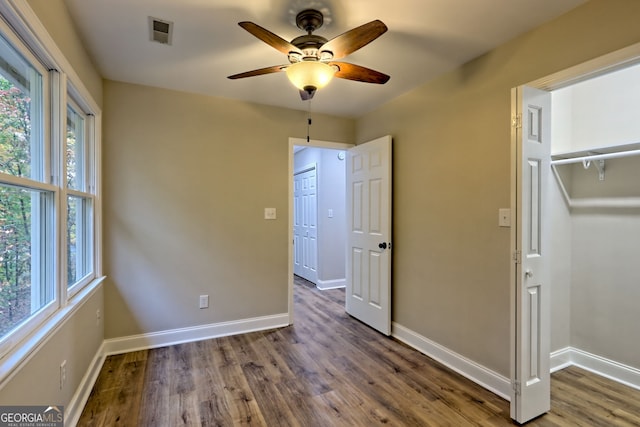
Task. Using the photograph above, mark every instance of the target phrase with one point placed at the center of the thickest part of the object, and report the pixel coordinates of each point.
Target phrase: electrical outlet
(204, 301)
(63, 373)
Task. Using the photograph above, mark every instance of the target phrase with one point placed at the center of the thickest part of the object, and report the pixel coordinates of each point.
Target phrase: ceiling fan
(312, 58)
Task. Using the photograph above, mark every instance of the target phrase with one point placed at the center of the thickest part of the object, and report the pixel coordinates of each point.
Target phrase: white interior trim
(331, 284)
(599, 365)
(560, 359)
(75, 407)
(194, 333)
(485, 377)
(604, 64)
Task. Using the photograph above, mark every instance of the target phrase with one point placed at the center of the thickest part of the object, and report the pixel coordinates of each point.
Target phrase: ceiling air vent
(161, 30)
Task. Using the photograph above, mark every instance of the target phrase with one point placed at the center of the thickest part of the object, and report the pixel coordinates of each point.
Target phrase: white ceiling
(425, 38)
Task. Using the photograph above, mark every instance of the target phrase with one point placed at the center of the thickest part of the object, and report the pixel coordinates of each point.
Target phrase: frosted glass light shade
(309, 75)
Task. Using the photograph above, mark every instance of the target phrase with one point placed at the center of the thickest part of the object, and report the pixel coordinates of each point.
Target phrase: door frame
(602, 65)
(300, 142)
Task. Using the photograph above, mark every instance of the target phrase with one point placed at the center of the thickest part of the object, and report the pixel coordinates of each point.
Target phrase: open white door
(531, 134)
(368, 293)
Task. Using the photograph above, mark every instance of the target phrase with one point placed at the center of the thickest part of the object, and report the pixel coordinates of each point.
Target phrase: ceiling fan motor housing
(310, 45)
(308, 20)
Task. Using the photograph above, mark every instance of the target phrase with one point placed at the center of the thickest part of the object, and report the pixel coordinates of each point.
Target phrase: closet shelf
(597, 156)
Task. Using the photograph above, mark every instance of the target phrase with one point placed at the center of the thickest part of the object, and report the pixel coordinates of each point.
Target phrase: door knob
(528, 273)
(382, 245)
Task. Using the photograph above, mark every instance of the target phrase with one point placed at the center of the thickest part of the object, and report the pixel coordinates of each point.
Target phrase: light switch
(330, 213)
(504, 217)
(204, 301)
(269, 213)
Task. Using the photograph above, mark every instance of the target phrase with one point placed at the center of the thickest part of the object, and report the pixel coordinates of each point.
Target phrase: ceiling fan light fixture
(310, 75)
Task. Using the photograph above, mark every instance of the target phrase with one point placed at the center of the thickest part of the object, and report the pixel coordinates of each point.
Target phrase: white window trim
(21, 26)
(89, 183)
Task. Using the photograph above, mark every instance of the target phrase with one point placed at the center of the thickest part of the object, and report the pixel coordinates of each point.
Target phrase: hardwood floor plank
(121, 385)
(155, 395)
(255, 351)
(238, 396)
(328, 369)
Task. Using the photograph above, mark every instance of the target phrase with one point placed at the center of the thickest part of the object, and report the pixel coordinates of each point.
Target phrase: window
(47, 191)
(79, 224)
(21, 116)
(27, 284)
(26, 232)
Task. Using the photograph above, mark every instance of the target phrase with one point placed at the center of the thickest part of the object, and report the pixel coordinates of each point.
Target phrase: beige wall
(186, 181)
(451, 175)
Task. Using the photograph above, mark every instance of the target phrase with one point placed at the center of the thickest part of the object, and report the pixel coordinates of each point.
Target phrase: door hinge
(516, 121)
(517, 387)
(517, 257)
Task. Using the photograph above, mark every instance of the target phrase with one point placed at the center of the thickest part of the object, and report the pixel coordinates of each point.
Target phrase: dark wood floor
(326, 370)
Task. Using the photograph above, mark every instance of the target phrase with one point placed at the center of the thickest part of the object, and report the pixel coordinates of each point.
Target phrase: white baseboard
(331, 284)
(195, 333)
(479, 374)
(74, 409)
(607, 368)
(560, 359)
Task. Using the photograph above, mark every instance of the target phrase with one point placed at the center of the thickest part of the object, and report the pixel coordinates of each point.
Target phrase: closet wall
(596, 230)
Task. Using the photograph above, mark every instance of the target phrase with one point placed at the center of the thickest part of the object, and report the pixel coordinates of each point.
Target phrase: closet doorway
(591, 221)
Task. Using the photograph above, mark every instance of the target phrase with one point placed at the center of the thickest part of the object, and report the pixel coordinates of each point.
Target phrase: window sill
(24, 350)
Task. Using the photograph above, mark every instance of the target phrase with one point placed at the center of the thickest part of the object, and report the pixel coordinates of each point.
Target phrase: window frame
(26, 327)
(85, 192)
(22, 29)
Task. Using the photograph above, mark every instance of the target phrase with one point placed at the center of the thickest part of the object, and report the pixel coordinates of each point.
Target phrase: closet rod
(596, 157)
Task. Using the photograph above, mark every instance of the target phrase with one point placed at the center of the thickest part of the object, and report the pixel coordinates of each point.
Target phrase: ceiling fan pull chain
(309, 122)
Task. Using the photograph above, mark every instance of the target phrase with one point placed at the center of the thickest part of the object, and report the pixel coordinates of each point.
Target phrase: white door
(532, 274)
(305, 224)
(368, 289)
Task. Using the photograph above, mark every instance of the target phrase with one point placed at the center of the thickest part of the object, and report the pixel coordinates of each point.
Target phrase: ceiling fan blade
(269, 38)
(354, 39)
(259, 72)
(359, 73)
